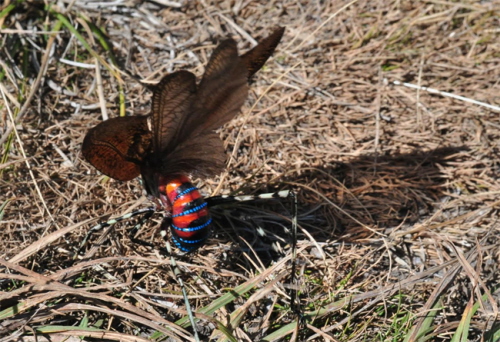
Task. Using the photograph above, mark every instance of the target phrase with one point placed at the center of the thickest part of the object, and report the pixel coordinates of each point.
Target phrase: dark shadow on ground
(378, 191)
(349, 201)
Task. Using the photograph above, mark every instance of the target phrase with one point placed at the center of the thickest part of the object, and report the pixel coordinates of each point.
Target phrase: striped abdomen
(190, 220)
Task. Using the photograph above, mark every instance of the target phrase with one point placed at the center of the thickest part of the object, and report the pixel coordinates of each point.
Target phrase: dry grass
(398, 188)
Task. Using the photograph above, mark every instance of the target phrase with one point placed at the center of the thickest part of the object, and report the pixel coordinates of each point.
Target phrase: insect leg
(147, 211)
(138, 226)
(294, 295)
(224, 199)
(177, 272)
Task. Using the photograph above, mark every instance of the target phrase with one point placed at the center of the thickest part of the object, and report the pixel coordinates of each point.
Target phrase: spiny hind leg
(147, 212)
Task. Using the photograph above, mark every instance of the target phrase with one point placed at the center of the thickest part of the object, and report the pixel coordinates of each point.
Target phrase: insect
(177, 139)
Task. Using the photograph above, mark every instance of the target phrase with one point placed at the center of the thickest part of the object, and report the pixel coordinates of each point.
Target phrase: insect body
(190, 217)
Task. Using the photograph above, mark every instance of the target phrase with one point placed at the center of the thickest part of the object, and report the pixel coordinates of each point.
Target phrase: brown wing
(202, 156)
(219, 97)
(173, 99)
(224, 87)
(255, 58)
(188, 116)
(117, 146)
(222, 90)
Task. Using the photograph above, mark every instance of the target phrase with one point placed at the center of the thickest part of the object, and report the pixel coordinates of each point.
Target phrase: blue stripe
(189, 241)
(178, 242)
(192, 210)
(181, 247)
(187, 191)
(193, 229)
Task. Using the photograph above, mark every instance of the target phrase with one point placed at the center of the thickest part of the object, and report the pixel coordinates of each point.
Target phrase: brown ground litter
(397, 187)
